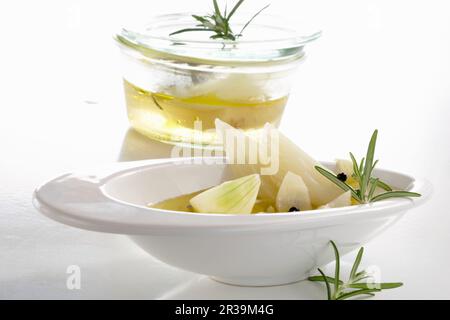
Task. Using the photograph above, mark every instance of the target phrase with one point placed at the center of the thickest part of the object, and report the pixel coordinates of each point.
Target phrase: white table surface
(378, 65)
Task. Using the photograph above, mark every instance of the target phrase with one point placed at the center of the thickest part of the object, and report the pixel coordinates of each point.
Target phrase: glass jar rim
(278, 42)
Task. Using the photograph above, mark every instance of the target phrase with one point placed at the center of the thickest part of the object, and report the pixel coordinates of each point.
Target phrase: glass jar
(176, 86)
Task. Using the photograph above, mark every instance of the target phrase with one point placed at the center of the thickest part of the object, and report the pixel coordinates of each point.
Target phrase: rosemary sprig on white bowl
(355, 286)
(362, 173)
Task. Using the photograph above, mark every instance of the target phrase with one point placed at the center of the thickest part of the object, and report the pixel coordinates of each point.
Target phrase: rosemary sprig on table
(355, 285)
(367, 184)
(219, 23)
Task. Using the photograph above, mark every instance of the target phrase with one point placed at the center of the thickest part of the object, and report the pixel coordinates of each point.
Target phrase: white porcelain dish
(256, 250)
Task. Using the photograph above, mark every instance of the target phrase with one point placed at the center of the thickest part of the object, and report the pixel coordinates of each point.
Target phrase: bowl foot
(260, 282)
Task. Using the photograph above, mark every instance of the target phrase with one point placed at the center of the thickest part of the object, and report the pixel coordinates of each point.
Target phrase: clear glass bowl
(176, 86)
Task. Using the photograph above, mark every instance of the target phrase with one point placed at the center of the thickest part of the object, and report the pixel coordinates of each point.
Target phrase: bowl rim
(57, 199)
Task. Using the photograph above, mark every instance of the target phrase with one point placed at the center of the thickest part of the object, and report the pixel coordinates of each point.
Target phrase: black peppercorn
(342, 176)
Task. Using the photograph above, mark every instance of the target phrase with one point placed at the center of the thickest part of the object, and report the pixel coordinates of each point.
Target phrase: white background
(380, 64)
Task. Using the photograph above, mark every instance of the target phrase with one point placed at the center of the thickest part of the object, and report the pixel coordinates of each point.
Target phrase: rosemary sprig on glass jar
(219, 23)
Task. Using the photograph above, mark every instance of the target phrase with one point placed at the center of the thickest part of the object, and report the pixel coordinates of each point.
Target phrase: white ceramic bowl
(256, 250)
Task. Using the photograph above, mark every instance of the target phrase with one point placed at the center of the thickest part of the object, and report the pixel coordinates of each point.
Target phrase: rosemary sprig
(219, 23)
(367, 184)
(354, 286)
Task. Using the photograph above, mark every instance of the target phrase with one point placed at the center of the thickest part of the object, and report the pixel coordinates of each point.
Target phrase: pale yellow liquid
(171, 119)
(181, 203)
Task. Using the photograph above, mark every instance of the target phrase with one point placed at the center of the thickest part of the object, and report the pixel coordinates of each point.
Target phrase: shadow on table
(203, 287)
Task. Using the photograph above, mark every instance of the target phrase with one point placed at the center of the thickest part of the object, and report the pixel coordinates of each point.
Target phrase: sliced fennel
(293, 193)
(343, 200)
(234, 196)
(290, 157)
(237, 87)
